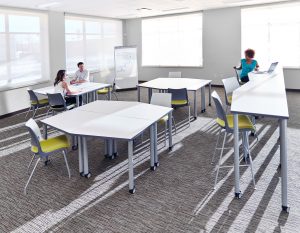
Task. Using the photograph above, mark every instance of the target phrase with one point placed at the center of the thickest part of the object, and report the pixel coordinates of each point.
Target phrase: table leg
(109, 93)
(152, 145)
(115, 150)
(156, 162)
(77, 100)
(209, 94)
(170, 130)
(283, 159)
(203, 99)
(45, 131)
(86, 171)
(80, 155)
(149, 95)
(195, 105)
(138, 93)
(130, 167)
(236, 156)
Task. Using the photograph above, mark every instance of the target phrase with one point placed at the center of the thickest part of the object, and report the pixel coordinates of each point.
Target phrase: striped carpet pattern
(177, 197)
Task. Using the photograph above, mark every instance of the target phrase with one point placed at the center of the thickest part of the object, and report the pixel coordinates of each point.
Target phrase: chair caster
(203, 110)
(195, 118)
(252, 134)
(47, 162)
(286, 209)
(209, 104)
(116, 154)
(238, 195)
(81, 174)
(170, 148)
(132, 191)
(88, 175)
(153, 168)
(75, 147)
(156, 164)
(111, 157)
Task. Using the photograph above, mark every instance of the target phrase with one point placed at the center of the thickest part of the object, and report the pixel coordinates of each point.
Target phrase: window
(274, 32)
(24, 54)
(92, 41)
(172, 41)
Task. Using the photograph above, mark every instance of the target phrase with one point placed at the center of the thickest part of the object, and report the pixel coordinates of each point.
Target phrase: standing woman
(248, 64)
(61, 86)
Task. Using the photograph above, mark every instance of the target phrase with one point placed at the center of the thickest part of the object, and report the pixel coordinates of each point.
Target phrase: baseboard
(13, 113)
(126, 89)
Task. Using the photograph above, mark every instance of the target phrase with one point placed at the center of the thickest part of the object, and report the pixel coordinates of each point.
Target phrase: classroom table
(263, 95)
(192, 85)
(112, 120)
(80, 88)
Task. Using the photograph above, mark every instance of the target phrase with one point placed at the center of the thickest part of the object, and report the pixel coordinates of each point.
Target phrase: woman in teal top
(248, 64)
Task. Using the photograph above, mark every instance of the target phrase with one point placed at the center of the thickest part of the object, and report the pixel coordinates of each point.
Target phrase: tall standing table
(263, 95)
(81, 89)
(192, 85)
(112, 120)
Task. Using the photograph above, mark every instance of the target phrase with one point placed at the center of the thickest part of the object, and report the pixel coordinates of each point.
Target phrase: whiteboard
(126, 67)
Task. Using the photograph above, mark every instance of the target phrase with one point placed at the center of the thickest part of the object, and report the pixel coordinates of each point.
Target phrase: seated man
(81, 75)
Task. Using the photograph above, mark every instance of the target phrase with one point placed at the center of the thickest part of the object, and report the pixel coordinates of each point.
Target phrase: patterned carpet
(177, 197)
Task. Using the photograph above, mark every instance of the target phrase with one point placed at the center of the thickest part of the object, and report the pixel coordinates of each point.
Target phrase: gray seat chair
(230, 84)
(180, 99)
(58, 104)
(35, 103)
(225, 122)
(238, 71)
(42, 148)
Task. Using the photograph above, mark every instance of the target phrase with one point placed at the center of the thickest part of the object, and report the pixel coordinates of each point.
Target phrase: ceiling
(125, 9)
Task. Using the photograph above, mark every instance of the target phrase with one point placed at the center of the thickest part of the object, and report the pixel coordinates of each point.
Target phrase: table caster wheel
(88, 175)
(153, 168)
(170, 148)
(156, 164)
(238, 195)
(286, 209)
(81, 174)
(195, 118)
(132, 191)
(47, 162)
(209, 104)
(116, 154)
(75, 147)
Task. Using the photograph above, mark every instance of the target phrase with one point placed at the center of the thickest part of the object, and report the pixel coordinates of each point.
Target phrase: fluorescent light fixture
(48, 4)
(144, 9)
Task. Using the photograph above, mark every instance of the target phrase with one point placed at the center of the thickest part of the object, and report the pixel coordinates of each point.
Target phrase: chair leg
(32, 158)
(28, 111)
(25, 189)
(219, 134)
(165, 132)
(66, 161)
(250, 158)
(174, 123)
(219, 163)
(35, 110)
(115, 95)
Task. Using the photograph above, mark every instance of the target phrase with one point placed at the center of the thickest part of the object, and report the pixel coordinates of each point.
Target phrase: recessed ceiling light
(144, 9)
(176, 9)
(48, 4)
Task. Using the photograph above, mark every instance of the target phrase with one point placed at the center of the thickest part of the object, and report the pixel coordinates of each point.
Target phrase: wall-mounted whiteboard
(126, 67)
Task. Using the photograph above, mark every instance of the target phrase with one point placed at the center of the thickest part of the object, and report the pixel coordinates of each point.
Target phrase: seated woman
(248, 64)
(61, 86)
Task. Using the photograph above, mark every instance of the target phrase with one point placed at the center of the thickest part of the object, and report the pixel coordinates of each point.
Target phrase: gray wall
(221, 49)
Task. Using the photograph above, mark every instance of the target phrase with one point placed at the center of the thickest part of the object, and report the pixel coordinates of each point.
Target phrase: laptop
(270, 70)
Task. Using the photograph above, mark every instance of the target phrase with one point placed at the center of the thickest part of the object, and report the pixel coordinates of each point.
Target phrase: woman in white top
(61, 86)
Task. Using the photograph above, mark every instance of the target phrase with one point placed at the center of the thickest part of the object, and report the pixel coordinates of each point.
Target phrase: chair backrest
(56, 99)
(238, 71)
(176, 74)
(230, 84)
(179, 94)
(219, 107)
(161, 99)
(32, 96)
(35, 133)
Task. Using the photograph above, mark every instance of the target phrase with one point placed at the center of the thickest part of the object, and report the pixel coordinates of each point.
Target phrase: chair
(112, 89)
(57, 103)
(238, 71)
(180, 99)
(163, 99)
(225, 122)
(35, 103)
(44, 147)
(230, 84)
(175, 74)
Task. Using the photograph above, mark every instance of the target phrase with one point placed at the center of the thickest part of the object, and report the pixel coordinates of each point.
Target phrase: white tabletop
(102, 119)
(264, 94)
(190, 84)
(81, 88)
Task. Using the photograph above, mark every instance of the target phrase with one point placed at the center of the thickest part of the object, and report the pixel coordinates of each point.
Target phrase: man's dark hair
(80, 63)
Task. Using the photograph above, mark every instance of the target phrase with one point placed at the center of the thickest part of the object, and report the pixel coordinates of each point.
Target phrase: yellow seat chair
(42, 148)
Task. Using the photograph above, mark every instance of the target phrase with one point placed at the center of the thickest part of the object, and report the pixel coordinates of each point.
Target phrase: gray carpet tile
(177, 197)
